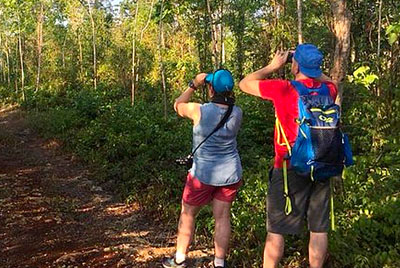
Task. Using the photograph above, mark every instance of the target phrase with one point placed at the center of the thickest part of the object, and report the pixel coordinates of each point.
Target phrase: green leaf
(369, 79)
(361, 71)
(392, 38)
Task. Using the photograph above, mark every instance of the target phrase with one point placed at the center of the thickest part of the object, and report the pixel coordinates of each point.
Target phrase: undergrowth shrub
(134, 147)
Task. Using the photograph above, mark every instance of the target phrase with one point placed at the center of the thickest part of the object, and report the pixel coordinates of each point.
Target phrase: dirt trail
(52, 213)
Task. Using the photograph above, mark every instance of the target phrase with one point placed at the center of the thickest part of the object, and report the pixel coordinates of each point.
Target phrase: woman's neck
(221, 105)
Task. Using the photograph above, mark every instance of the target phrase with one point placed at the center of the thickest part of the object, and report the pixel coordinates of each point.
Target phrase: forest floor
(53, 213)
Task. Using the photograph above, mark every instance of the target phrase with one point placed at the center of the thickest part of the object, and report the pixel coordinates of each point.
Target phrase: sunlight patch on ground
(122, 209)
(132, 234)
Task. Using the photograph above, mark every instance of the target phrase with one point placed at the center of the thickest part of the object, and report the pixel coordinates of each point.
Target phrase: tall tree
(134, 52)
(93, 28)
(39, 31)
(21, 58)
(341, 30)
(300, 21)
(161, 50)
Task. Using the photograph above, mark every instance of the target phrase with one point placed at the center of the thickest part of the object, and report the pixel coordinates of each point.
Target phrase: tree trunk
(341, 30)
(162, 44)
(8, 64)
(137, 64)
(39, 44)
(63, 52)
(134, 55)
(2, 64)
(148, 21)
(299, 22)
(379, 29)
(94, 44)
(21, 58)
(213, 35)
(222, 51)
(378, 88)
(80, 56)
(16, 66)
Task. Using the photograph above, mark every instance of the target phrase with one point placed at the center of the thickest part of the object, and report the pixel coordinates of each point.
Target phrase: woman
(216, 172)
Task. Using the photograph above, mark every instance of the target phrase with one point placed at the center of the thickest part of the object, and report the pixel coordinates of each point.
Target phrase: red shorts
(197, 193)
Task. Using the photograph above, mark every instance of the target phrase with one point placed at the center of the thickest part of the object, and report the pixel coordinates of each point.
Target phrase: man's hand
(279, 60)
(250, 84)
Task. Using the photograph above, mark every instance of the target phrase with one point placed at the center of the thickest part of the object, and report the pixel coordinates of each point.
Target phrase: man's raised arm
(250, 84)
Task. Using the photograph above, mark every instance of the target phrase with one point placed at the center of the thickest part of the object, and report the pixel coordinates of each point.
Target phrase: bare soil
(54, 214)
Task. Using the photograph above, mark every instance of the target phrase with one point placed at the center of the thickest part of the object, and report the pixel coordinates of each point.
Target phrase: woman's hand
(199, 79)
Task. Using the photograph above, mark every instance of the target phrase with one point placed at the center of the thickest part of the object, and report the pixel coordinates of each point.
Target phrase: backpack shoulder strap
(300, 88)
(323, 90)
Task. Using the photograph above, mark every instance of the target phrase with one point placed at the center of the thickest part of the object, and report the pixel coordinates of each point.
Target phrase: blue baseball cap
(221, 80)
(309, 59)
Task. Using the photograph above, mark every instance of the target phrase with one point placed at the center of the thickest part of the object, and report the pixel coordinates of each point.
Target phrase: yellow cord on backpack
(280, 132)
(288, 205)
(332, 211)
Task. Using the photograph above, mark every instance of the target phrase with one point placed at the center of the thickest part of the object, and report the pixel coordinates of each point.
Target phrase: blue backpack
(321, 150)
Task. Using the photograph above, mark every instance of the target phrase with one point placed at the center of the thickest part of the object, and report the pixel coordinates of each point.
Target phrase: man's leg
(186, 227)
(318, 223)
(273, 250)
(221, 212)
(317, 249)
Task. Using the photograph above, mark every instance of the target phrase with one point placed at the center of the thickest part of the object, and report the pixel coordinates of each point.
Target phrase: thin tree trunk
(63, 52)
(39, 44)
(162, 43)
(378, 89)
(137, 65)
(21, 58)
(222, 54)
(341, 30)
(94, 44)
(80, 56)
(134, 55)
(16, 66)
(148, 21)
(2, 64)
(213, 35)
(299, 22)
(379, 28)
(8, 64)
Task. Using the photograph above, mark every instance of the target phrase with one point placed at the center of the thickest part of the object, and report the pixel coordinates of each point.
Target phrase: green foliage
(393, 32)
(133, 148)
(363, 76)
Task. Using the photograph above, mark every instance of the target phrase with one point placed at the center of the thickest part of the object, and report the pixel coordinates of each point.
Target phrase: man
(307, 199)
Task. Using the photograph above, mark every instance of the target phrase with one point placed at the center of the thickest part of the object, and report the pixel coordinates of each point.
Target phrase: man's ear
(295, 67)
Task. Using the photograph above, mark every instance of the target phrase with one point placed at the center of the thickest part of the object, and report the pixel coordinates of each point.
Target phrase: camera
(185, 161)
(289, 57)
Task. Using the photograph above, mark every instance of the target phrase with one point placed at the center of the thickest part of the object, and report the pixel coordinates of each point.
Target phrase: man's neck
(301, 76)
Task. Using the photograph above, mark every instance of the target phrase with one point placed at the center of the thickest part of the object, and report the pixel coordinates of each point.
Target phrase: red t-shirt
(285, 99)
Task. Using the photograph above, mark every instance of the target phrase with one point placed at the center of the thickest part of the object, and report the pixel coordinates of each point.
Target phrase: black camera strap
(220, 124)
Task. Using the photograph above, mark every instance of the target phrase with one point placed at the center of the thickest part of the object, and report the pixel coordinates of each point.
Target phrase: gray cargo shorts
(310, 202)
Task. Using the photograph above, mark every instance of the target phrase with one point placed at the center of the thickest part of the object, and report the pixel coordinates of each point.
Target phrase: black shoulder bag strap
(220, 124)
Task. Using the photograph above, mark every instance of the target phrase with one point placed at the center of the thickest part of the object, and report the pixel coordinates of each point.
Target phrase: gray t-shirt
(217, 161)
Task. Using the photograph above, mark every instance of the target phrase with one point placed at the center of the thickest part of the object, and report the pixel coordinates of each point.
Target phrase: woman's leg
(221, 212)
(186, 227)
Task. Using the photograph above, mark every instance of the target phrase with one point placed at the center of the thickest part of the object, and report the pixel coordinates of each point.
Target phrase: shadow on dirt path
(52, 214)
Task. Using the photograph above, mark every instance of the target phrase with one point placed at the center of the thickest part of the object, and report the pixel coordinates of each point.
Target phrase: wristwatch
(192, 85)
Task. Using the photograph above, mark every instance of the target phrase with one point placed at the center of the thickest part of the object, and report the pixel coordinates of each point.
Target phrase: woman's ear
(211, 91)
